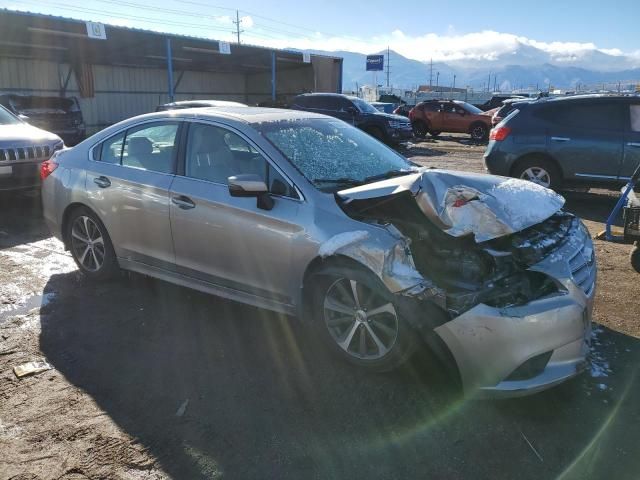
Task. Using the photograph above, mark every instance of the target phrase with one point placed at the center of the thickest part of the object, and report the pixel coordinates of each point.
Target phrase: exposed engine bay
(493, 272)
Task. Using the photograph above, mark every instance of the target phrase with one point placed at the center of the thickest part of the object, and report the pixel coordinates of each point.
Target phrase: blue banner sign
(375, 63)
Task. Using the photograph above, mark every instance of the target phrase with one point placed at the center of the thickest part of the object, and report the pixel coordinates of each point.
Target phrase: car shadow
(265, 400)
(21, 218)
(593, 205)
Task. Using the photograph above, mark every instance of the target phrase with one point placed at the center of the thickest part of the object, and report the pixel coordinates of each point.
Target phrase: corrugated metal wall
(122, 92)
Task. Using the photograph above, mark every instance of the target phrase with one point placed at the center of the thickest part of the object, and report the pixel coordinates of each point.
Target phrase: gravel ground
(154, 381)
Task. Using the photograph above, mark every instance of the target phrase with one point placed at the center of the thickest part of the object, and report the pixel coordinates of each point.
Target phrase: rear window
(601, 116)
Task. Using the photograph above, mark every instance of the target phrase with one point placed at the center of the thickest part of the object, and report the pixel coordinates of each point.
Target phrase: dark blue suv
(386, 127)
(588, 140)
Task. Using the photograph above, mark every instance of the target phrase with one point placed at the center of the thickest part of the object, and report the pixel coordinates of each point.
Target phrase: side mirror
(352, 110)
(251, 185)
(22, 117)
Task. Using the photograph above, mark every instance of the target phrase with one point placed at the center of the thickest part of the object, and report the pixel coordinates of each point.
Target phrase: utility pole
(237, 23)
(489, 83)
(437, 79)
(495, 82)
(431, 72)
(388, 66)
(454, 83)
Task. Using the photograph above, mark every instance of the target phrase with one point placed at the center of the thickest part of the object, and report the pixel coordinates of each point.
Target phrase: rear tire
(434, 134)
(90, 245)
(365, 327)
(539, 170)
(635, 257)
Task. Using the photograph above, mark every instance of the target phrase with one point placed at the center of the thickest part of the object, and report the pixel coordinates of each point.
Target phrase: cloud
(246, 21)
(485, 45)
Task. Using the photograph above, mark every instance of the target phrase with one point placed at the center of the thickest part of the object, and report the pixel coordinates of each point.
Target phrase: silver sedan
(307, 215)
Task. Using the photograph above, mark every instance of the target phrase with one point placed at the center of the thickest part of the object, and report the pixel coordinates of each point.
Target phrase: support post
(340, 73)
(273, 76)
(169, 70)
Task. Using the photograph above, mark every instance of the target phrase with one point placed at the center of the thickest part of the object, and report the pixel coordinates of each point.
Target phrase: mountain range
(526, 66)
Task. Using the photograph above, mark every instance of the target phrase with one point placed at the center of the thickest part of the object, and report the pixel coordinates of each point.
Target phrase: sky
(422, 30)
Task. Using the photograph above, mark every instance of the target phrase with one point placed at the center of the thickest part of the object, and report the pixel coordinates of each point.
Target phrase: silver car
(306, 215)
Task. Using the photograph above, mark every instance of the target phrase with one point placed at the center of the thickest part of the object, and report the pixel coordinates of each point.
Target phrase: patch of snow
(526, 203)
(340, 241)
(601, 386)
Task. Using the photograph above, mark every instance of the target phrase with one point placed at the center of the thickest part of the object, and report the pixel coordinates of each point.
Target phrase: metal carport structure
(132, 71)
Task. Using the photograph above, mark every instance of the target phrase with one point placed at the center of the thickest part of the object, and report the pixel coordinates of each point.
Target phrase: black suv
(59, 115)
(589, 140)
(385, 127)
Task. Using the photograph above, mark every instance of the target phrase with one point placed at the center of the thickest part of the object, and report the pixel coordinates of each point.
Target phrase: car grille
(35, 152)
(583, 267)
(400, 124)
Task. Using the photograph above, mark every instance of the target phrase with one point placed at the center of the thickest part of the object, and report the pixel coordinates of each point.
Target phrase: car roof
(204, 103)
(242, 114)
(589, 96)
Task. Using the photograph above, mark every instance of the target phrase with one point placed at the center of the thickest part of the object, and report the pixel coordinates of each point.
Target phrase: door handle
(183, 202)
(560, 139)
(102, 182)
(633, 144)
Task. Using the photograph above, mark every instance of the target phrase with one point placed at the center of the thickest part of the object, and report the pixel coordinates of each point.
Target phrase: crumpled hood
(461, 204)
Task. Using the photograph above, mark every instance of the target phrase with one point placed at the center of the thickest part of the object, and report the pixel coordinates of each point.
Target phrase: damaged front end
(470, 237)
(513, 273)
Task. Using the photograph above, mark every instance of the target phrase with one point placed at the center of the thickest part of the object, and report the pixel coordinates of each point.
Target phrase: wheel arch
(66, 215)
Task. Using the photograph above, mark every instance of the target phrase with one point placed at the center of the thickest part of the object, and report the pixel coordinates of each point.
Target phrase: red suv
(454, 116)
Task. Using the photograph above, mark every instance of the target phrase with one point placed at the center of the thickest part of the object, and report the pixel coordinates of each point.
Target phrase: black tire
(479, 132)
(420, 129)
(101, 264)
(535, 164)
(376, 133)
(434, 134)
(635, 257)
(398, 338)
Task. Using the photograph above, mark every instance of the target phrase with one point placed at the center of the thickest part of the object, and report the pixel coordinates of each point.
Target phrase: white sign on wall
(224, 48)
(96, 30)
(306, 57)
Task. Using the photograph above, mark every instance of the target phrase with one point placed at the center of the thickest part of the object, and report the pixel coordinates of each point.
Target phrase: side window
(301, 102)
(601, 116)
(330, 103)
(635, 118)
(151, 147)
(214, 154)
(111, 149)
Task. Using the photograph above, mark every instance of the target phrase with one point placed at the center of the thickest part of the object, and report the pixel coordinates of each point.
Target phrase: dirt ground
(154, 381)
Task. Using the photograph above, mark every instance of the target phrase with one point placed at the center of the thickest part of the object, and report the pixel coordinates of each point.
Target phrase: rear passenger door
(632, 142)
(128, 185)
(586, 138)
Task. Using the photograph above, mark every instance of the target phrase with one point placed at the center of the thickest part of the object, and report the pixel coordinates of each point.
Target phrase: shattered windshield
(331, 153)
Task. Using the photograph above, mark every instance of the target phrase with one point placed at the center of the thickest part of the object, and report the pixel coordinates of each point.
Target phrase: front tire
(420, 129)
(359, 321)
(91, 245)
(539, 170)
(635, 257)
(479, 132)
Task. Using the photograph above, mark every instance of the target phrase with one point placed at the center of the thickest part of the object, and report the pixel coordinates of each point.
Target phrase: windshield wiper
(338, 181)
(389, 174)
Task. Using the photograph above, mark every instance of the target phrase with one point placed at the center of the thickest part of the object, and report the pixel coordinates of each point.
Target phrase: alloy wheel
(87, 243)
(478, 133)
(361, 322)
(537, 175)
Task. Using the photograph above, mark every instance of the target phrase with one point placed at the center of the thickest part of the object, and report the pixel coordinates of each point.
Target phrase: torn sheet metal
(461, 204)
(389, 259)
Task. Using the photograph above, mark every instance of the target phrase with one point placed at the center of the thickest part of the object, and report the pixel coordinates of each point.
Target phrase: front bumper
(400, 134)
(19, 175)
(491, 344)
